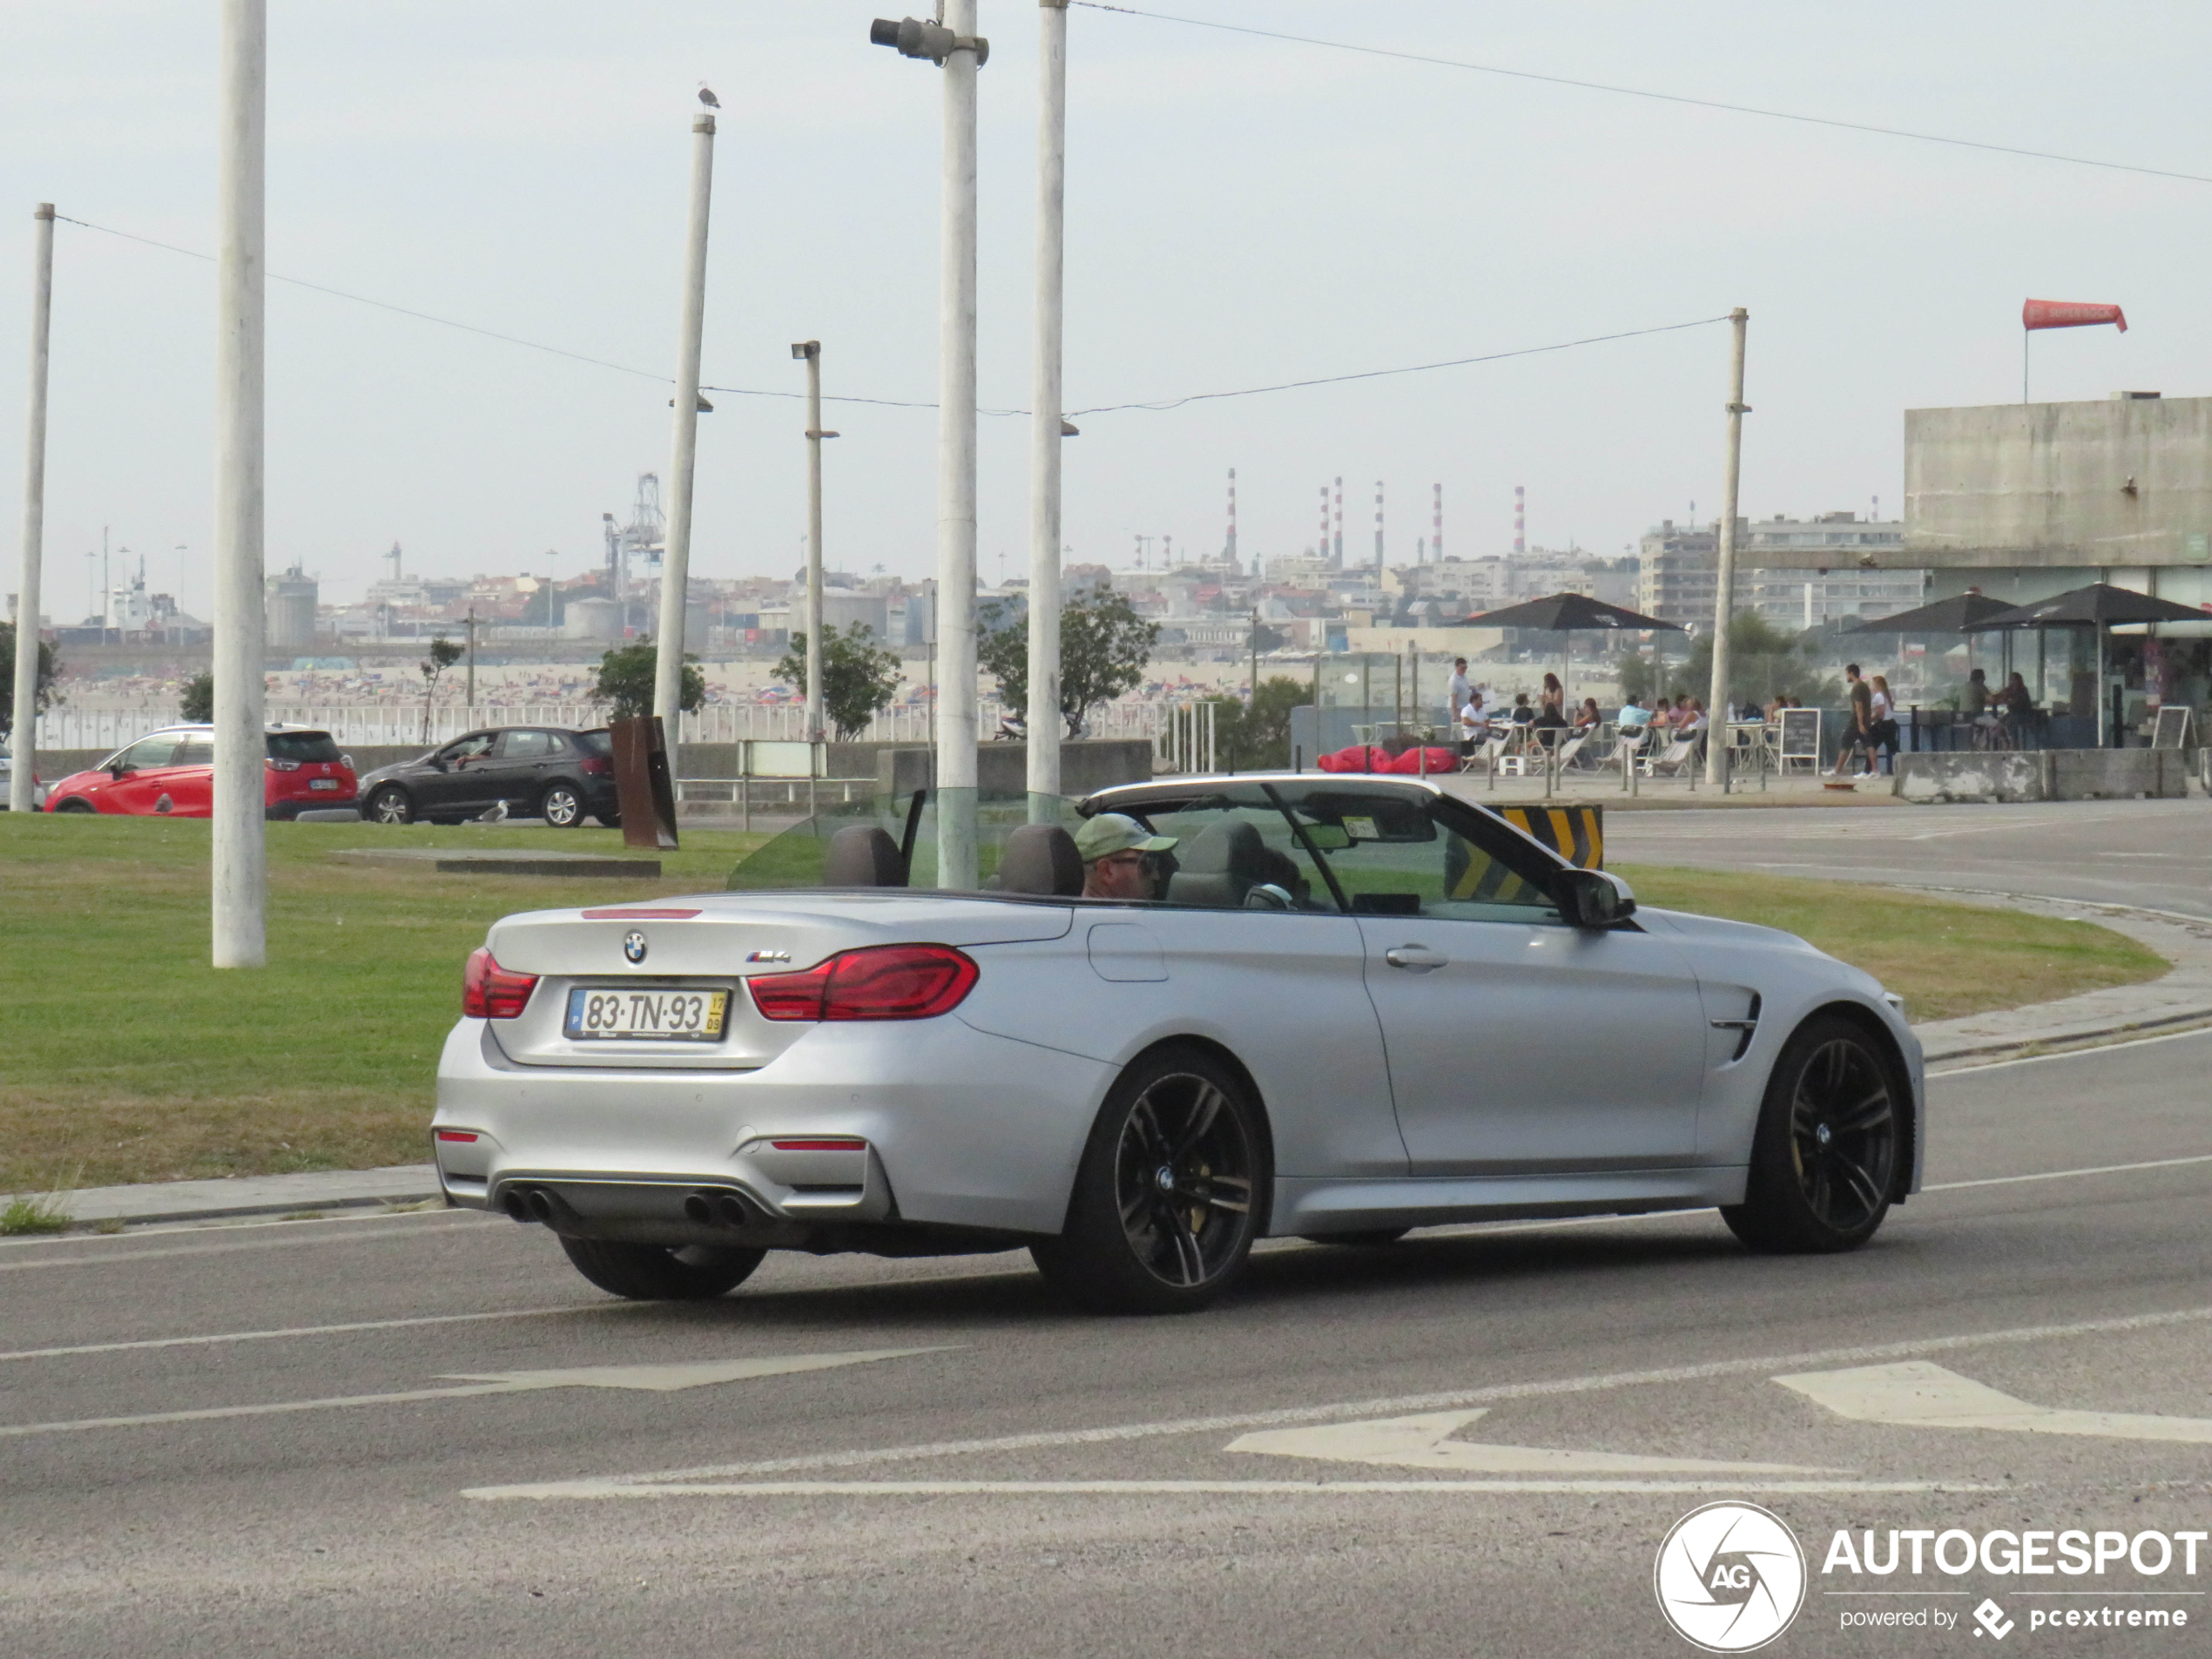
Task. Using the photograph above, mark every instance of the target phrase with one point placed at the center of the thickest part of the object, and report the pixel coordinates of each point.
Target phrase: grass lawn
(1944, 959)
(125, 1057)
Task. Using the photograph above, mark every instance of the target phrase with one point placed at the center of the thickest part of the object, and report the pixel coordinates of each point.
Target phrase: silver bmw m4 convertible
(1337, 1007)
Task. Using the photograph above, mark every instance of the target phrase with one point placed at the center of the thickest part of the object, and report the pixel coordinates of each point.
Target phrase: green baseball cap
(1111, 833)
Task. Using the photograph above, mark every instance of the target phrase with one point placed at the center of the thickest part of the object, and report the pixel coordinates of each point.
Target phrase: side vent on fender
(1747, 1028)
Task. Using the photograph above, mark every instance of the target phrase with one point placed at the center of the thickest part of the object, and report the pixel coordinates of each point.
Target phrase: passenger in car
(1116, 851)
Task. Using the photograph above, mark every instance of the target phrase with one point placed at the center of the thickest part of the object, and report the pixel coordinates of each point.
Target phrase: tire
(390, 805)
(652, 1273)
(1373, 1237)
(561, 808)
(1826, 1159)
(610, 820)
(1171, 1191)
(77, 804)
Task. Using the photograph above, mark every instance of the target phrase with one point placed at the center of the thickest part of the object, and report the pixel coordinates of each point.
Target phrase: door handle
(1418, 959)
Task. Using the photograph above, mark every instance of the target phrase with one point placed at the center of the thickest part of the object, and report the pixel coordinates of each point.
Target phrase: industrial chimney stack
(1338, 554)
(1229, 551)
(1436, 528)
(1519, 519)
(1379, 526)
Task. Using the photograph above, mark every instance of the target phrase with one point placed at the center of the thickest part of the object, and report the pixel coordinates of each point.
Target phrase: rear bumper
(958, 1130)
(291, 808)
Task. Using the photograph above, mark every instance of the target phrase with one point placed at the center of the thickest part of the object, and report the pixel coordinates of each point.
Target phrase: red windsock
(2069, 313)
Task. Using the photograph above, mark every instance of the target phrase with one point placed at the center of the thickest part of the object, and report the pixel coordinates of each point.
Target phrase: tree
(444, 655)
(48, 666)
(625, 681)
(199, 698)
(1104, 648)
(1764, 661)
(857, 676)
(1259, 738)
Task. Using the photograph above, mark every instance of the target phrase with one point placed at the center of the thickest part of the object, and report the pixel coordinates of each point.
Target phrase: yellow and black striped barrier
(1576, 833)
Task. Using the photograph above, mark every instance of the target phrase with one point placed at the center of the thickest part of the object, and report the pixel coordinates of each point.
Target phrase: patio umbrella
(2099, 606)
(1964, 613)
(1568, 614)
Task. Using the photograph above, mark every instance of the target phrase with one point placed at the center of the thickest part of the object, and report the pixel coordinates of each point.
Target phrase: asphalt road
(2154, 854)
(211, 1470)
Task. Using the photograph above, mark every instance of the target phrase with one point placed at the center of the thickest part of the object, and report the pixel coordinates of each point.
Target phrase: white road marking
(1169, 1489)
(304, 1331)
(659, 1379)
(1597, 1383)
(1917, 1395)
(2066, 1175)
(1428, 1442)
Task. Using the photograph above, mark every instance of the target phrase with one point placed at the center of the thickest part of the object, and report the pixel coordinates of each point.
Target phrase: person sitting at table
(1633, 716)
(1774, 709)
(1474, 725)
(1585, 717)
(1555, 699)
(2014, 706)
(1522, 714)
(1689, 717)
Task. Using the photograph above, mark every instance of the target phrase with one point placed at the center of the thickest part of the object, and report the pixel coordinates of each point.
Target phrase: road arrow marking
(656, 1378)
(1425, 1442)
(1919, 1394)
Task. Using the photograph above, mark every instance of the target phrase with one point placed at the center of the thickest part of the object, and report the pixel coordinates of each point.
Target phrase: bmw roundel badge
(633, 947)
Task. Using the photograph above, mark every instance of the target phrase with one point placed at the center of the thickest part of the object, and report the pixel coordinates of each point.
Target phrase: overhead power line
(1156, 405)
(1656, 97)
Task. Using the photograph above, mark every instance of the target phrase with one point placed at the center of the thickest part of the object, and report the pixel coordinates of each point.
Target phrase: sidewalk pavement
(2181, 999)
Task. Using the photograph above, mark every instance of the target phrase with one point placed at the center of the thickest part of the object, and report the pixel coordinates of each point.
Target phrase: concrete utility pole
(811, 352)
(25, 736)
(676, 560)
(1716, 708)
(1047, 426)
(240, 855)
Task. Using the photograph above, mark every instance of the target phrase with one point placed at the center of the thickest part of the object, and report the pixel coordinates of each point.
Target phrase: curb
(242, 1197)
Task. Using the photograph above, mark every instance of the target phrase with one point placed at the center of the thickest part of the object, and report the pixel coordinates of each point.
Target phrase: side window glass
(195, 752)
(148, 753)
(1234, 851)
(525, 745)
(1407, 855)
(471, 748)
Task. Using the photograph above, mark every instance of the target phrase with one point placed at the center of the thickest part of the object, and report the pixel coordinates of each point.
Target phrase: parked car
(561, 776)
(1346, 1007)
(171, 773)
(7, 776)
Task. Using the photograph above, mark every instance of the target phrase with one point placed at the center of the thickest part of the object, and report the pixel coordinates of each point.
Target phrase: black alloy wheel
(656, 1273)
(390, 805)
(77, 804)
(1170, 1194)
(1832, 1134)
(560, 807)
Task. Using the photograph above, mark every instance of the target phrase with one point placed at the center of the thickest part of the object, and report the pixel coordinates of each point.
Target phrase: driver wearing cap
(1115, 851)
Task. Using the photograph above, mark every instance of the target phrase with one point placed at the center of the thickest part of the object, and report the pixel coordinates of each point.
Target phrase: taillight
(490, 992)
(595, 765)
(283, 766)
(878, 982)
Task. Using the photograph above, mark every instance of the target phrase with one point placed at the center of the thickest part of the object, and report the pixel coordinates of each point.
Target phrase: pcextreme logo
(1729, 1577)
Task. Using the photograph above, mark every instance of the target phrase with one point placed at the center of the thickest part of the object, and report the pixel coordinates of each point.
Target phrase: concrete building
(290, 600)
(1838, 565)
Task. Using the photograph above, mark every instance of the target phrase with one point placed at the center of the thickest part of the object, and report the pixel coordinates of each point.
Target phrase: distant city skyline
(1241, 213)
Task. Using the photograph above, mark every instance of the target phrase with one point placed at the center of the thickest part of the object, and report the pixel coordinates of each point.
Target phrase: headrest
(1041, 858)
(1230, 847)
(863, 856)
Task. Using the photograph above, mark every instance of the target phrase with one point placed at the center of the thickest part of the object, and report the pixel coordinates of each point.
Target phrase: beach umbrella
(1965, 613)
(1567, 614)
(2099, 606)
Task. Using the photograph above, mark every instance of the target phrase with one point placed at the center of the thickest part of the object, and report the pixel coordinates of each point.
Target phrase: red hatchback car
(172, 773)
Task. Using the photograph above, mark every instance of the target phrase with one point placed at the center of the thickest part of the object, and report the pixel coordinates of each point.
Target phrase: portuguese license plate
(617, 1014)
(322, 783)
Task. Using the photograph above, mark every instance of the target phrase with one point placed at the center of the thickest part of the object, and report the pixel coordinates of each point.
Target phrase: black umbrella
(1566, 613)
(1967, 613)
(1562, 613)
(2099, 606)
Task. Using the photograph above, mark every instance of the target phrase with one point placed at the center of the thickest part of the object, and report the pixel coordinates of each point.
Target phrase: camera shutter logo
(633, 947)
(1729, 1577)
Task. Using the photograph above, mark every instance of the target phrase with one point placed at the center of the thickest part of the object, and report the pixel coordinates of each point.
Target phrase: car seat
(1040, 859)
(1219, 865)
(863, 856)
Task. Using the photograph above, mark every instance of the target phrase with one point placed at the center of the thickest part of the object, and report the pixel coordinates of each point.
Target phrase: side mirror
(1593, 899)
(437, 762)
(119, 772)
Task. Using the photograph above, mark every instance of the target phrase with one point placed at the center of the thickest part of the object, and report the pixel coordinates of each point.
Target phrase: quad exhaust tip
(705, 1209)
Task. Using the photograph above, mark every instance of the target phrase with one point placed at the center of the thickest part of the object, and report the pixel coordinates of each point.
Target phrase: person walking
(1859, 736)
(1884, 730)
(1459, 689)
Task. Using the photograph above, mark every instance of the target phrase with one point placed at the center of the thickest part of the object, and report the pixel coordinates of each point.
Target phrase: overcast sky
(1240, 212)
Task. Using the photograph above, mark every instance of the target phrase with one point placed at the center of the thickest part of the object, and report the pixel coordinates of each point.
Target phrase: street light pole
(25, 735)
(240, 884)
(1716, 735)
(676, 560)
(810, 351)
(1046, 427)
